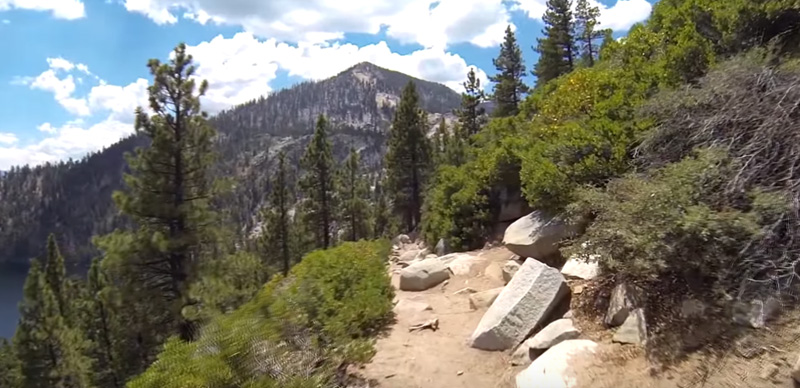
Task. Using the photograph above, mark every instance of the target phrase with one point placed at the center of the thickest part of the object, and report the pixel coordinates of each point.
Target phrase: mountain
(73, 199)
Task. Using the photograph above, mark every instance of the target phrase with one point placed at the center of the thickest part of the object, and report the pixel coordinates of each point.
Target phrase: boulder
(557, 367)
(484, 299)
(423, 275)
(537, 235)
(633, 330)
(442, 247)
(757, 312)
(463, 264)
(408, 256)
(555, 333)
(536, 293)
(796, 371)
(401, 240)
(578, 268)
(510, 268)
(494, 271)
(624, 299)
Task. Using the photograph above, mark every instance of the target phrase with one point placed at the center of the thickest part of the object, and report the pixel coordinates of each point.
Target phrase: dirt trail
(443, 358)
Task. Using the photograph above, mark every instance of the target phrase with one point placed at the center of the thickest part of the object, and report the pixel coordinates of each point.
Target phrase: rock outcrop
(537, 235)
(527, 302)
(556, 367)
(423, 275)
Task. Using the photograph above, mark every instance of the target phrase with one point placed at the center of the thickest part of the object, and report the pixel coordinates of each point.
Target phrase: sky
(75, 70)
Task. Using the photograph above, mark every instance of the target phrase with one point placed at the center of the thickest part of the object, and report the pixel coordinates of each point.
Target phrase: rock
(405, 306)
(534, 294)
(555, 333)
(510, 268)
(537, 235)
(796, 371)
(577, 268)
(468, 290)
(577, 290)
(757, 313)
(411, 255)
(494, 271)
(692, 308)
(484, 299)
(556, 368)
(769, 371)
(569, 314)
(423, 275)
(633, 330)
(431, 256)
(401, 240)
(442, 247)
(624, 299)
(463, 264)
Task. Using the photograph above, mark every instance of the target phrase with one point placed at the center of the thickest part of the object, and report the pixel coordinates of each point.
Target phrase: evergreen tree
(354, 193)
(441, 143)
(586, 33)
(99, 325)
(51, 354)
(408, 160)
(9, 366)
(382, 218)
(55, 273)
(317, 185)
(471, 116)
(557, 48)
(168, 196)
(509, 88)
(277, 221)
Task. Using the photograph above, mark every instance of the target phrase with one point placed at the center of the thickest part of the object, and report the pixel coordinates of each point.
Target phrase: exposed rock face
(423, 275)
(556, 367)
(555, 333)
(484, 299)
(527, 302)
(578, 268)
(510, 269)
(633, 330)
(624, 299)
(537, 235)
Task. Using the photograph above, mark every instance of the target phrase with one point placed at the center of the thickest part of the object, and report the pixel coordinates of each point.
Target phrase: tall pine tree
(354, 195)
(408, 160)
(557, 48)
(586, 32)
(508, 88)
(9, 366)
(55, 273)
(471, 116)
(100, 324)
(168, 196)
(317, 185)
(277, 221)
(381, 225)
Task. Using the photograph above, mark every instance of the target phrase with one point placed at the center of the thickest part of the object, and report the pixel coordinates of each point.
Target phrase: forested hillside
(73, 199)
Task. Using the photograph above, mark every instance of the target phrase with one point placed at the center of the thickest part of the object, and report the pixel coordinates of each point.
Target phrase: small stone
(468, 290)
(459, 373)
(577, 290)
(389, 376)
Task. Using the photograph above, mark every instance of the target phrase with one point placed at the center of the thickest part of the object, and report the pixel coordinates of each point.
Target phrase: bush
(674, 221)
(297, 332)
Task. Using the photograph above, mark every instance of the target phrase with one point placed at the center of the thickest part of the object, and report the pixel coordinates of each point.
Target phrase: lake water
(12, 278)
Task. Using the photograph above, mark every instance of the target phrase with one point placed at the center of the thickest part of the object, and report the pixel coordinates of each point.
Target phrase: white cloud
(240, 68)
(72, 140)
(120, 101)
(47, 128)
(61, 9)
(427, 22)
(62, 89)
(8, 138)
(618, 17)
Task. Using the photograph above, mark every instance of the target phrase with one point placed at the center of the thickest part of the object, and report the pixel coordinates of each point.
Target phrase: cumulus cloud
(61, 9)
(62, 89)
(618, 17)
(8, 138)
(427, 22)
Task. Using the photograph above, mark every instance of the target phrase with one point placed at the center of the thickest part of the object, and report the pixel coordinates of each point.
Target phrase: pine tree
(354, 194)
(557, 48)
(382, 218)
(99, 325)
(408, 160)
(277, 221)
(509, 88)
(9, 366)
(441, 143)
(50, 353)
(317, 185)
(586, 33)
(55, 273)
(168, 195)
(471, 116)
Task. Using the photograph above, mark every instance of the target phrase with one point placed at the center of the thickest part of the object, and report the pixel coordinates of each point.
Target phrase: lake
(12, 278)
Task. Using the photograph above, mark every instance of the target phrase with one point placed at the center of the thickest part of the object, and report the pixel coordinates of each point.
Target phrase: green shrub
(296, 332)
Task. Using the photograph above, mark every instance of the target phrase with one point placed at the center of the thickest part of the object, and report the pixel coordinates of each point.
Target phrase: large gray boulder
(527, 302)
(557, 367)
(555, 333)
(537, 235)
(423, 275)
(624, 299)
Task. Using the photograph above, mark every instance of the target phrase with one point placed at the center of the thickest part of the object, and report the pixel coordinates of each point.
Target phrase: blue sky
(75, 69)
